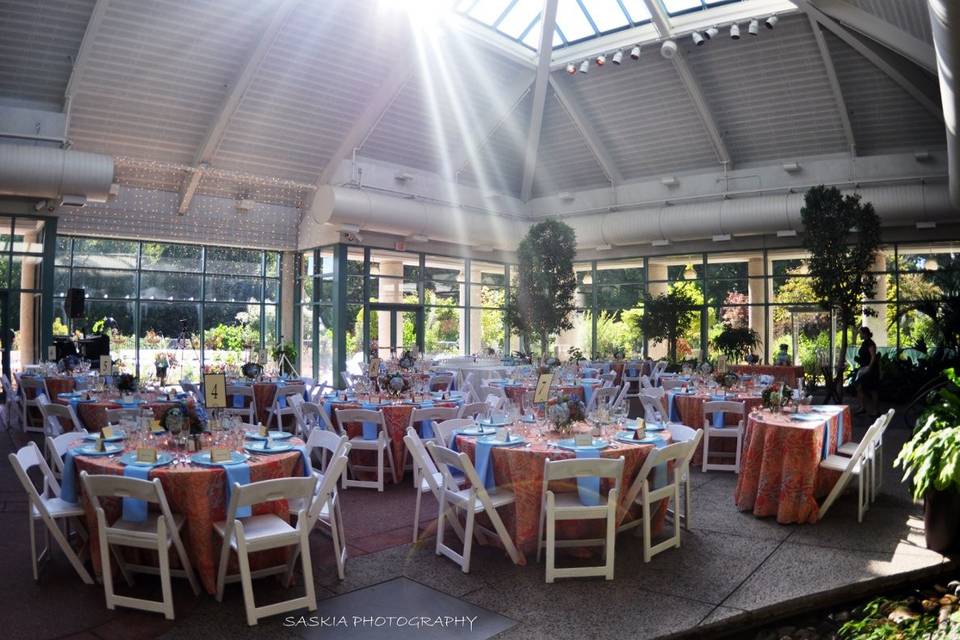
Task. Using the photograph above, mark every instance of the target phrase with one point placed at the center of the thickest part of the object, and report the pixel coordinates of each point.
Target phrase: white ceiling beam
(548, 21)
(875, 28)
(464, 158)
(834, 85)
(214, 136)
(889, 70)
(491, 40)
(582, 123)
(366, 122)
(83, 56)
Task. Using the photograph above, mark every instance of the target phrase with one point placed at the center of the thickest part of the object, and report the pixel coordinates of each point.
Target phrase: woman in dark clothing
(868, 377)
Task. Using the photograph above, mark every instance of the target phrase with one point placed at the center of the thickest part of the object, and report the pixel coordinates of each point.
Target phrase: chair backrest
(605, 397)
(583, 468)
(26, 458)
(52, 414)
(867, 441)
(420, 457)
(672, 452)
(289, 391)
(326, 441)
(346, 416)
(670, 383)
(441, 382)
(32, 387)
(447, 459)
(289, 489)
(243, 390)
(469, 393)
(723, 406)
(608, 378)
(622, 392)
(682, 433)
(116, 416)
(57, 446)
(314, 410)
(645, 382)
(433, 413)
(651, 399)
(347, 380)
(113, 486)
(494, 401)
(328, 486)
(442, 431)
(474, 410)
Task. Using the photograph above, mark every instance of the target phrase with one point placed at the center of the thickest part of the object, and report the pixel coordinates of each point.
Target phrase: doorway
(396, 327)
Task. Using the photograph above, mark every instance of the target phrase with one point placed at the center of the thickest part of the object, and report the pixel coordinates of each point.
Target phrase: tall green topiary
(544, 297)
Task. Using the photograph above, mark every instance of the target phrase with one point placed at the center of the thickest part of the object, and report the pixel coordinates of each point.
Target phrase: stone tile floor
(733, 569)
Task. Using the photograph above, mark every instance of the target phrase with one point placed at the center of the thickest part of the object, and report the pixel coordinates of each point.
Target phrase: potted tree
(736, 343)
(842, 235)
(667, 317)
(931, 460)
(543, 300)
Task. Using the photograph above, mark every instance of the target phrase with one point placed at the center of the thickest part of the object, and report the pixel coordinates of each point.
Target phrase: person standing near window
(868, 376)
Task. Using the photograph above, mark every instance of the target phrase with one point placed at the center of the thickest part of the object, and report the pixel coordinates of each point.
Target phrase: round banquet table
(788, 375)
(780, 468)
(198, 493)
(515, 391)
(55, 386)
(397, 418)
(93, 413)
(520, 469)
(687, 409)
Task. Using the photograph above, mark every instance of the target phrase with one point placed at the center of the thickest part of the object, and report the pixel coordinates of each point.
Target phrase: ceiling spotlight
(771, 22)
(617, 57)
(601, 60)
(571, 68)
(735, 31)
(697, 38)
(584, 66)
(711, 33)
(668, 49)
(754, 28)
(635, 52)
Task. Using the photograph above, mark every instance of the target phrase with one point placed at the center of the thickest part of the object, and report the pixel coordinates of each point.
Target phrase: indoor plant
(736, 342)
(285, 354)
(931, 459)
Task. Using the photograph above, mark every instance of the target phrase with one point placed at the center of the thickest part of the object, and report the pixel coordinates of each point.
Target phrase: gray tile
(882, 529)
(723, 615)
(795, 571)
(712, 508)
(402, 608)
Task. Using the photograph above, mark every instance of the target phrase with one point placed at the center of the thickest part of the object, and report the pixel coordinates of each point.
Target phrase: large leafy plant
(932, 457)
(736, 342)
(667, 317)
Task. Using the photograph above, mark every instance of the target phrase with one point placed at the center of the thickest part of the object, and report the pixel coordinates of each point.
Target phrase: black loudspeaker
(73, 304)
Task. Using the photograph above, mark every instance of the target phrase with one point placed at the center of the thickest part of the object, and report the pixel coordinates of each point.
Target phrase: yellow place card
(107, 432)
(215, 390)
(262, 429)
(542, 394)
(583, 439)
(641, 424)
(156, 427)
(374, 369)
(220, 454)
(147, 454)
(101, 444)
(106, 366)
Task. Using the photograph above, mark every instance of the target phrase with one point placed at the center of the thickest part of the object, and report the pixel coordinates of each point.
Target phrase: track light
(735, 31)
(601, 60)
(711, 33)
(571, 68)
(668, 49)
(771, 22)
(635, 52)
(617, 57)
(697, 38)
(754, 28)
(584, 66)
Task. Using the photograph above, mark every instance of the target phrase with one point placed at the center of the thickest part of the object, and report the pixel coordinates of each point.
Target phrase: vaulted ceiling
(259, 98)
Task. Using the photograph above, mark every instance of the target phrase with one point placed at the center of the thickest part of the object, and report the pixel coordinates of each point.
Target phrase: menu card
(542, 394)
(147, 454)
(220, 454)
(503, 435)
(101, 443)
(583, 439)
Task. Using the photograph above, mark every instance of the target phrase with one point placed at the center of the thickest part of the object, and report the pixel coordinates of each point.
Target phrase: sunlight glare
(422, 13)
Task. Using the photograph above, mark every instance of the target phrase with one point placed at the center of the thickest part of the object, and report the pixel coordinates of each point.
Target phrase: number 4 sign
(215, 391)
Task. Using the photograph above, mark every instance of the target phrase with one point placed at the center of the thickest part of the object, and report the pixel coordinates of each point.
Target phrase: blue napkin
(587, 392)
(588, 487)
(237, 401)
(135, 510)
(673, 411)
(452, 445)
(632, 372)
(659, 471)
(307, 465)
(68, 482)
(483, 466)
(282, 402)
(718, 418)
(370, 428)
(129, 405)
(426, 429)
(239, 473)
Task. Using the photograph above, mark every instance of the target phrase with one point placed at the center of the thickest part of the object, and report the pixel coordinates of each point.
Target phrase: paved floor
(732, 567)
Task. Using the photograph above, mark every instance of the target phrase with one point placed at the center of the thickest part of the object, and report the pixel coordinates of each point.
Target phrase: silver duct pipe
(48, 172)
(943, 14)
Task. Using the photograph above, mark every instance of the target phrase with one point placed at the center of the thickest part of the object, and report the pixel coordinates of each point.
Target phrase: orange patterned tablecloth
(93, 415)
(199, 494)
(690, 411)
(786, 375)
(515, 392)
(780, 469)
(520, 469)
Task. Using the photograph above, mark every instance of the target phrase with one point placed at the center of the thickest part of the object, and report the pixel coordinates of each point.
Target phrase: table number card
(106, 366)
(220, 454)
(101, 444)
(262, 429)
(374, 369)
(542, 394)
(502, 434)
(52, 353)
(156, 427)
(215, 390)
(147, 454)
(583, 439)
(107, 432)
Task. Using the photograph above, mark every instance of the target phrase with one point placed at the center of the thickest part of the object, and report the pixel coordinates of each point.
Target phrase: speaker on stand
(73, 304)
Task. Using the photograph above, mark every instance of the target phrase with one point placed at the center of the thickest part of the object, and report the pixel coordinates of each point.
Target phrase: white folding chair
(567, 505)
(494, 401)
(283, 404)
(348, 380)
(247, 409)
(608, 378)
(11, 406)
(380, 445)
(433, 414)
(603, 398)
(725, 432)
(50, 508)
(54, 416)
(441, 382)
(267, 531)
(158, 532)
(876, 456)
(426, 478)
(645, 382)
(56, 447)
(324, 509)
(486, 391)
(652, 402)
(656, 371)
(473, 500)
(33, 391)
(474, 410)
(856, 465)
(443, 431)
(643, 493)
(670, 383)
(683, 433)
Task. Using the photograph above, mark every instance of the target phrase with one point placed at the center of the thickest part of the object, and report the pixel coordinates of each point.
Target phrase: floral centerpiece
(565, 412)
(776, 396)
(394, 383)
(407, 360)
(126, 383)
(727, 379)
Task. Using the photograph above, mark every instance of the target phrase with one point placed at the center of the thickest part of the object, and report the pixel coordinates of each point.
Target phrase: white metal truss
(83, 55)
(548, 22)
(834, 85)
(463, 157)
(214, 135)
(582, 123)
